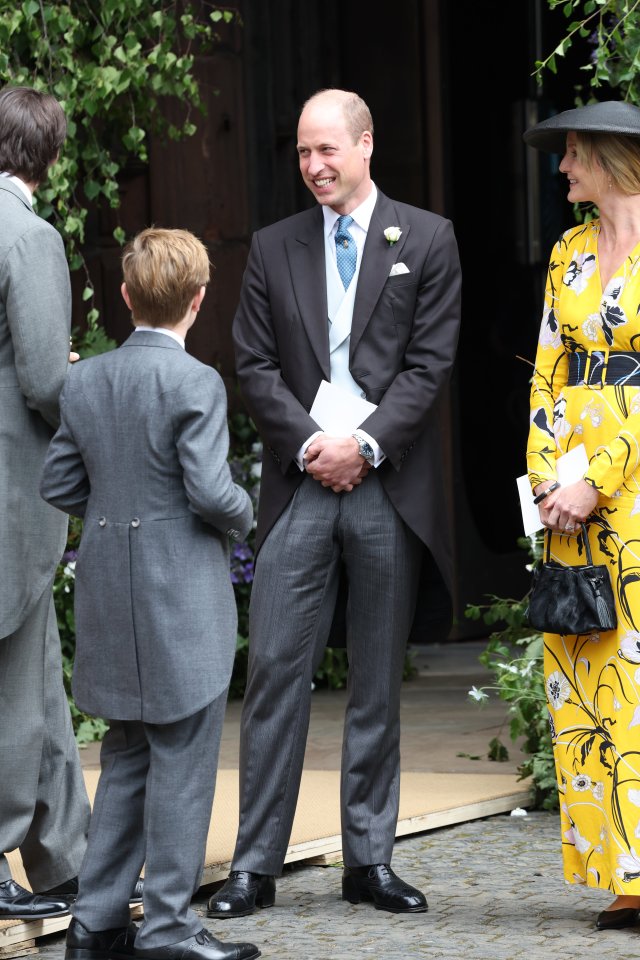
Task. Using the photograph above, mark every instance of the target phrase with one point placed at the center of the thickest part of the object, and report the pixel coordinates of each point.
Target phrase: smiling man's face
(333, 166)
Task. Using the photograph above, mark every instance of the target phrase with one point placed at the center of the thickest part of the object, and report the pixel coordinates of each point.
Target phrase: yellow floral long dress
(593, 681)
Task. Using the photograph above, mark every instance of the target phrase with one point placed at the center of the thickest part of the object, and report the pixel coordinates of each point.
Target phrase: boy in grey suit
(141, 455)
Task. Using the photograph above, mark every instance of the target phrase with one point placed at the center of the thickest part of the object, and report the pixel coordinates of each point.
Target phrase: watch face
(366, 450)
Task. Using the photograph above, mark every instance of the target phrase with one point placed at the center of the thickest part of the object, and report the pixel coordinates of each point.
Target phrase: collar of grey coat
(305, 253)
(147, 338)
(6, 184)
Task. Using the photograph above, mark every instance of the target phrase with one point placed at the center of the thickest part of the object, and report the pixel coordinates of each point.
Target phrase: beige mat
(427, 801)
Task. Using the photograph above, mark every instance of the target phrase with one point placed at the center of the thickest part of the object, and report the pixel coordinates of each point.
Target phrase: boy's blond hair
(163, 271)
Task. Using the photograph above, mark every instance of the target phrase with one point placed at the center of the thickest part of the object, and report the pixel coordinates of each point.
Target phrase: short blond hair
(618, 155)
(163, 271)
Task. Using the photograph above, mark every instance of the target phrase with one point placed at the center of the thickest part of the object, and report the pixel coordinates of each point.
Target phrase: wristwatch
(364, 449)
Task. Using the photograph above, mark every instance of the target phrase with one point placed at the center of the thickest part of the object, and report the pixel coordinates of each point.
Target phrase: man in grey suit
(363, 292)
(44, 808)
(141, 455)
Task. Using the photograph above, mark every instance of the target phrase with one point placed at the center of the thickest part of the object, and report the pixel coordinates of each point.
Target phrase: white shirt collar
(164, 330)
(19, 183)
(361, 215)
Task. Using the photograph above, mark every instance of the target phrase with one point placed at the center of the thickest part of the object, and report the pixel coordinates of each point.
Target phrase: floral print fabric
(593, 681)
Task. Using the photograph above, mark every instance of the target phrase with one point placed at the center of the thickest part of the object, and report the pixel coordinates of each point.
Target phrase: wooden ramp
(427, 801)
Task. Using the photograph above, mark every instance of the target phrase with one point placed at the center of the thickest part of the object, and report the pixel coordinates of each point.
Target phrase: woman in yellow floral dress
(586, 389)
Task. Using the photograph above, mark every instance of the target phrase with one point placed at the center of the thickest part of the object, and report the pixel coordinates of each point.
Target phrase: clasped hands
(567, 507)
(336, 463)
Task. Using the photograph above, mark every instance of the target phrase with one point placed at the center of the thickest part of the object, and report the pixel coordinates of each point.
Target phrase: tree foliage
(608, 33)
(110, 63)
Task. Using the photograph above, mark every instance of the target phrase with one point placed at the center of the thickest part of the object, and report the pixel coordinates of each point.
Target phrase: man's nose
(315, 163)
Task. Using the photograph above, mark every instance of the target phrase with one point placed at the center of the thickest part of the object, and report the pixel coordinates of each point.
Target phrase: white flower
(573, 836)
(392, 234)
(579, 271)
(550, 329)
(630, 646)
(476, 694)
(558, 689)
(598, 790)
(629, 867)
(592, 326)
(581, 783)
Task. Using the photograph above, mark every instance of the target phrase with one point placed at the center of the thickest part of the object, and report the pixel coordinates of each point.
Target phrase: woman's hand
(568, 506)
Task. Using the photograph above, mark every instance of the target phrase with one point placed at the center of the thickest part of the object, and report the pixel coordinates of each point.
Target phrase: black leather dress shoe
(378, 883)
(115, 944)
(202, 947)
(617, 919)
(16, 903)
(241, 894)
(69, 891)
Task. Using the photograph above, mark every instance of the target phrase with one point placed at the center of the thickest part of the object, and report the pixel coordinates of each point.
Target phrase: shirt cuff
(299, 458)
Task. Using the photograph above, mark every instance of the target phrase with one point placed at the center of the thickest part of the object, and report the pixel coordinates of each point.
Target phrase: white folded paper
(570, 467)
(337, 411)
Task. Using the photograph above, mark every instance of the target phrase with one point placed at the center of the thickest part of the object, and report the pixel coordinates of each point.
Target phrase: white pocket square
(398, 268)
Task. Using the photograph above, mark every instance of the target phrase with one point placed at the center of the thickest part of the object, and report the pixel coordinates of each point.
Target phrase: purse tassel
(604, 614)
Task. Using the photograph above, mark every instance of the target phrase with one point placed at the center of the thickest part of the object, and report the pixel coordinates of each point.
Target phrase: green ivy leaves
(111, 64)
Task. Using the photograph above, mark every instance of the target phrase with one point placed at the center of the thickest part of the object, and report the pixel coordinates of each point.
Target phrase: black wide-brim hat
(610, 116)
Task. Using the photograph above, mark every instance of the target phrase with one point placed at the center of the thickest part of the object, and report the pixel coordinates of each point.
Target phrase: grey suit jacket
(141, 454)
(402, 349)
(35, 318)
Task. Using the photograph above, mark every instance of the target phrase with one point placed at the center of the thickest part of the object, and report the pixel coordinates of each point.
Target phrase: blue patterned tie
(346, 252)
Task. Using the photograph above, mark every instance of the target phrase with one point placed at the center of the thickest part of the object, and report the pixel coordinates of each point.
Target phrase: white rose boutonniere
(392, 235)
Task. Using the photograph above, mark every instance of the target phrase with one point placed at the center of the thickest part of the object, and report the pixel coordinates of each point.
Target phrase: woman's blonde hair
(163, 271)
(617, 155)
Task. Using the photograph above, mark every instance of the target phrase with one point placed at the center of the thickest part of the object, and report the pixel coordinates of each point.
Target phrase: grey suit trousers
(44, 808)
(292, 603)
(152, 807)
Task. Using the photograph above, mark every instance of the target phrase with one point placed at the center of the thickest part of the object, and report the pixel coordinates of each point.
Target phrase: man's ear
(125, 296)
(196, 303)
(367, 144)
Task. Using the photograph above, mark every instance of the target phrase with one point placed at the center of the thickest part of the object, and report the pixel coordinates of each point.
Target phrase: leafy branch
(111, 64)
(611, 31)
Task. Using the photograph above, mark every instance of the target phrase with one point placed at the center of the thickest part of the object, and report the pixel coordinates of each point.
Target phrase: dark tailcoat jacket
(403, 342)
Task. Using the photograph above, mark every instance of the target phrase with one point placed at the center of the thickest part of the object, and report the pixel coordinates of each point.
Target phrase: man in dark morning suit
(44, 808)
(364, 292)
(141, 455)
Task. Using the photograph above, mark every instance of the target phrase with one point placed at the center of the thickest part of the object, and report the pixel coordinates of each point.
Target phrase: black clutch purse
(570, 600)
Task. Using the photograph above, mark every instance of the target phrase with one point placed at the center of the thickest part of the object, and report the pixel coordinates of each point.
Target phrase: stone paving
(495, 892)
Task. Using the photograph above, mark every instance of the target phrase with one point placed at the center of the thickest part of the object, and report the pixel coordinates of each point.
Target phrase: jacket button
(102, 522)
(135, 522)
